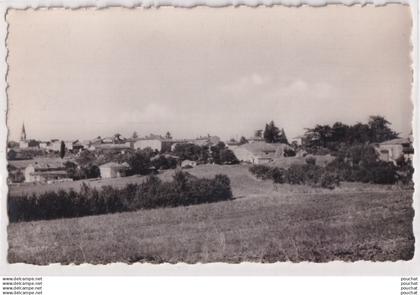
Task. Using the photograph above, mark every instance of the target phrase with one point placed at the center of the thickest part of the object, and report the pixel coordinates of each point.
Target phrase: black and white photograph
(202, 135)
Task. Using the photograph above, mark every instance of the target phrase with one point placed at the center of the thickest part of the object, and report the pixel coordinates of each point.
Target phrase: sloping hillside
(298, 227)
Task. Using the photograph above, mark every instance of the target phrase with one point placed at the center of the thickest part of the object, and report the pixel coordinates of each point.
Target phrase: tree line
(325, 138)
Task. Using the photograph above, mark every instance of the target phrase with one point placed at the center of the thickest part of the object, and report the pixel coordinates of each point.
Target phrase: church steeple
(23, 133)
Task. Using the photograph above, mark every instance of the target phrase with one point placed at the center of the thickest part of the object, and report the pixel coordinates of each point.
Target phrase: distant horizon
(140, 136)
(79, 74)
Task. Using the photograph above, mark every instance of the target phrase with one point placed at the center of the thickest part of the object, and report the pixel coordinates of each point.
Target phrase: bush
(164, 163)
(361, 163)
(289, 153)
(152, 193)
(405, 172)
(308, 174)
(310, 161)
(226, 156)
(329, 180)
(192, 152)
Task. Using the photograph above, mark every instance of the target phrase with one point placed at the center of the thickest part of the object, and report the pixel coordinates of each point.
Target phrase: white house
(259, 152)
(44, 145)
(392, 150)
(188, 164)
(45, 173)
(112, 170)
(55, 145)
(154, 144)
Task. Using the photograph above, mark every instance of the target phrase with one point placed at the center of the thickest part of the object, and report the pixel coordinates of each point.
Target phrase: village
(261, 179)
(32, 161)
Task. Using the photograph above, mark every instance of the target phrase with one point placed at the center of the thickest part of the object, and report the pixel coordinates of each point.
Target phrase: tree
(318, 137)
(168, 135)
(71, 169)
(243, 140)
(282, 137)
(135, 135)
(258, 133)
(215, 152)
(271, 133)
(139, 163)
(339, 132)
(117, 138)
(380, 130)
(33, 143)
(12, 144)
(192, 152)
(11, 155)
(359, 133)
(85, 157)
(226, 156)
(62, 149)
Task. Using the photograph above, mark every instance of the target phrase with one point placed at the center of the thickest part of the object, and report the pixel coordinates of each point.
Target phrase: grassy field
(265, 222)
(317, 227)
(244, 184)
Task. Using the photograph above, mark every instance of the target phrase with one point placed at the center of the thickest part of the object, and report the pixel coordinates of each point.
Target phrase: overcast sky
(223, 71)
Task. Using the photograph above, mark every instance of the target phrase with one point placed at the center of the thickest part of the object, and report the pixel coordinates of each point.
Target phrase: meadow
(264, 223)
(244, 184)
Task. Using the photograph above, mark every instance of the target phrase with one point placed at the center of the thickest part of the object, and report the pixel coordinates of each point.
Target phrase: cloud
(246, 83)
(152, 113)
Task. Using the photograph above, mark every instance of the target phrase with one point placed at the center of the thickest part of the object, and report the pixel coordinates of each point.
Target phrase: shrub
(361, 163)
(192, 152)
(226, 156)
(329, 180)
(310, 161)
(308, 174)
(261, 171)
(405, 171)
(164, 163)
(15, 174)
(289, 153)
(139, 162)
(184, 190)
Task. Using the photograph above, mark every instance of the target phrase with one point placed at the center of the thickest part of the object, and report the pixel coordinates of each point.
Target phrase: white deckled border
(399, 268)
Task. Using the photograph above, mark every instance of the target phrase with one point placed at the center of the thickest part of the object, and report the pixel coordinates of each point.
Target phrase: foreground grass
(297, 227)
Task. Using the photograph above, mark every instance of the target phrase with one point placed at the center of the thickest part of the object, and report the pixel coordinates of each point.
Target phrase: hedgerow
(183, 190)
(309, 174)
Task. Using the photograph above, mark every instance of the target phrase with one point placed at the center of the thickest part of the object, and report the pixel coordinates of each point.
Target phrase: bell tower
(23, 133)
(23, 143)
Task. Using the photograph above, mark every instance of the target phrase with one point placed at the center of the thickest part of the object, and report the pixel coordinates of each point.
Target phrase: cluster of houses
(116, 142)
(255, 151)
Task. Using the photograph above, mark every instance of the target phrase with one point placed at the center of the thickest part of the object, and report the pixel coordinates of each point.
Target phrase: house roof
(112, 146)
(263, 147)
(51, 173)
(114, 165)
(396, 141)
(47, 166)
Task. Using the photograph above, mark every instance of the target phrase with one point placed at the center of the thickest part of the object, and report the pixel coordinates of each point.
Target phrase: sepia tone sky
(223, 71)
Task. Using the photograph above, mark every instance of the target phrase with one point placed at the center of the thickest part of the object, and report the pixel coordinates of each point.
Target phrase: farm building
(188, 164)
(259, 152)
(77, 146)
(392, 150)
(112, 147)
(159, 144)
(154, 144)
(205, 140)
(45, 173)
(44, 145)
(112, 170)
(55, 145)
